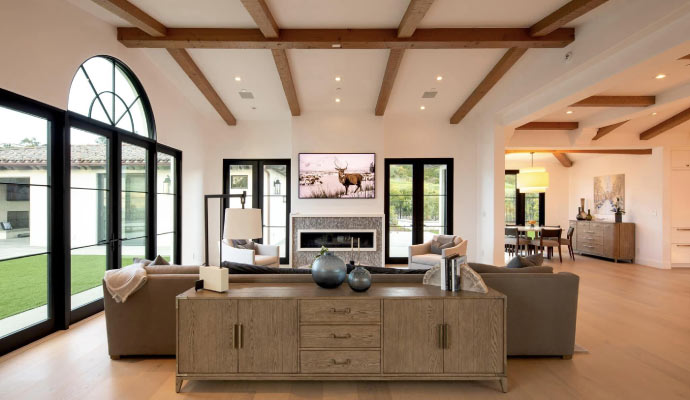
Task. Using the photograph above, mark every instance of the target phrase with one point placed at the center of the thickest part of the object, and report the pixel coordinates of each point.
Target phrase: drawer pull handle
(336, 362)
(340, 311)
(683, 229)
(345, 336)
(683, 245)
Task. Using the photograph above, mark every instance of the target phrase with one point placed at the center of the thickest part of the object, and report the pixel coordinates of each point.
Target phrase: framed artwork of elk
(337, 175)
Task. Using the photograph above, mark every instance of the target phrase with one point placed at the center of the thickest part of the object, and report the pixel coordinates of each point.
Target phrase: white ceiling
(314, 70)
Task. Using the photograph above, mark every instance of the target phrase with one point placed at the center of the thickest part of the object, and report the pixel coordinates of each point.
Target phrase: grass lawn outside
(24, 281)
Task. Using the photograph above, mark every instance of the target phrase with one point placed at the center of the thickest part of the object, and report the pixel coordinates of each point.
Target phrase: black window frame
(417, 199)
(520, 203)
(60, 315)
(257, 165)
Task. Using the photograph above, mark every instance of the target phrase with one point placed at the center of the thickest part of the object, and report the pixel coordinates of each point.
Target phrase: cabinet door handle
(240, 337)
(340, 311)
(336, 362)
(235, 335)
(345, 336)
(445, 336)
(440, 335)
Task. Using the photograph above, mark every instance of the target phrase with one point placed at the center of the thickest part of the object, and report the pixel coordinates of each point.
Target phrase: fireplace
(337, 231)
(336, 239)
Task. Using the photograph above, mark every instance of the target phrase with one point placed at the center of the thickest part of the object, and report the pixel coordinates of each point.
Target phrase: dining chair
(513, 241)
(568, 241)
(549, 238)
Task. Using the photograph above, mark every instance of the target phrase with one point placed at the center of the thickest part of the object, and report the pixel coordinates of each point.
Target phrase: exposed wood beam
(394, 59)
(563, 159)
(605, 130)
(268, 27)
(135, 16)
(685, 57)
(445, 38)
(506, 62)
(548, 126)
(413, 16)
(582, 151)
(670, 123)
(262, 16)
(564, 15)
(192, 70)
(616, 101)
(283, 66)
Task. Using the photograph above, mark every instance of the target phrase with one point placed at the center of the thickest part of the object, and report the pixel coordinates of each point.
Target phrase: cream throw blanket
(123, 282)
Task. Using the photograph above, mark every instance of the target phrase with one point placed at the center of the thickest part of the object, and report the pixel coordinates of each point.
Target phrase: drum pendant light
(533, 179)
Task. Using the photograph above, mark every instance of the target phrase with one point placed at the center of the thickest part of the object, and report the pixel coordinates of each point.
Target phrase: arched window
(106, 90)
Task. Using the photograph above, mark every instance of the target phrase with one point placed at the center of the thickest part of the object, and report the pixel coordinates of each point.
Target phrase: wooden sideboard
(299, 331)
(605, 239)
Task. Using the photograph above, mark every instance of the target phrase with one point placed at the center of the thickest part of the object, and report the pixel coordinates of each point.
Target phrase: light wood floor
(634, 320)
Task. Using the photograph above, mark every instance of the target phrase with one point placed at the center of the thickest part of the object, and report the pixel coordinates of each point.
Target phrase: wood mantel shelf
(299, 331)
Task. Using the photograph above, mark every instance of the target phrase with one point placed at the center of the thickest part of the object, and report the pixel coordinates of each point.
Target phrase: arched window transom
(106, 90)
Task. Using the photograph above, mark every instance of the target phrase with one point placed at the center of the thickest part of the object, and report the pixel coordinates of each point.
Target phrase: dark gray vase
(328, 271)
(359, 279)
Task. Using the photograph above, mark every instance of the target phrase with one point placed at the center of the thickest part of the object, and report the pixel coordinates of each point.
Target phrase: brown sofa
(542, 308)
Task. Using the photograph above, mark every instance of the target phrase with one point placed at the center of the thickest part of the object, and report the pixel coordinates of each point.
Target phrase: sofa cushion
(159, 260)
(492, 269)
(534, 260)
(427, 259)
(171, 269)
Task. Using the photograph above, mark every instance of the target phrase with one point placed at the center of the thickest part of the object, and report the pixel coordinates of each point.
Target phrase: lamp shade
(533, 180)
(242, 223)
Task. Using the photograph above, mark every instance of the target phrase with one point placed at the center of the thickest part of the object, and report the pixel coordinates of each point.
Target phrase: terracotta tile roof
(83, 154)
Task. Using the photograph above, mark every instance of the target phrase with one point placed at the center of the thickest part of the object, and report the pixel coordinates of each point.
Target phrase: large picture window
(520, 208)
(81, 191)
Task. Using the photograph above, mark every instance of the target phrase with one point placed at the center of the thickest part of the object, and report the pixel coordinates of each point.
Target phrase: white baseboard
(647, 262)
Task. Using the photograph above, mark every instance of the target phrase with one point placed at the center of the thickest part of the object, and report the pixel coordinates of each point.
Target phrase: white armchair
(263, 254)
(421, 257)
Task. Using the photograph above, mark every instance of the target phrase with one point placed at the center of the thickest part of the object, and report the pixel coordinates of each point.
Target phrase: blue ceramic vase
(359, 279)
(328, 271)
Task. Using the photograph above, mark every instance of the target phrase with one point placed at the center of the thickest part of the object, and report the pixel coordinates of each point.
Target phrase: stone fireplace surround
(337, 223)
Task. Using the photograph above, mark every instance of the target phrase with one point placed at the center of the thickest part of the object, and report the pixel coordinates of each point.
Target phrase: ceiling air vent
(246, 94)
(429, 95)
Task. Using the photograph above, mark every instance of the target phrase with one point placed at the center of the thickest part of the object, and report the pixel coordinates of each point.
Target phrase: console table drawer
(590, 248)
(340, 336)
(340, 311)
(340, 361)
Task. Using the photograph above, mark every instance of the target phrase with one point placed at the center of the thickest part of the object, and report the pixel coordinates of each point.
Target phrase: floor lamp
(243, 199)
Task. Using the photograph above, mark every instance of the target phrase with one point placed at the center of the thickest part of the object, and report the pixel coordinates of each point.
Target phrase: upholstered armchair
(262, 254)
(422, 256)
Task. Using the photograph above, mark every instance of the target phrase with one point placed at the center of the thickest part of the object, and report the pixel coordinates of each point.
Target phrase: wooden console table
(605, 239)
(299, 331)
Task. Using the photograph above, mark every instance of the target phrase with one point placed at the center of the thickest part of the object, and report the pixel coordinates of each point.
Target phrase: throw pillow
(144, 262)
(535, 260)
(159, 260)
(242, 244)
(439, 243)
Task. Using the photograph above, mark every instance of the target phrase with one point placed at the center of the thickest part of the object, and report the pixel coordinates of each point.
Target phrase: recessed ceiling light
(660, 76)
(337, 78)
(654, 113)
(337, 99)
(237, 79)
(422, 108)
(336, 45)
(569, 112)
(439, 78)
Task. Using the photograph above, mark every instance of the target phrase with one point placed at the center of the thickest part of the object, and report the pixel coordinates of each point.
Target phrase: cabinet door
(205, 336)
(411, 333)
(611, 237)
(475, 342)
(269, 336)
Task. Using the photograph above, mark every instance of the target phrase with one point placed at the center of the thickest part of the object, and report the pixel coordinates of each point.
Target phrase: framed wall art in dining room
(337, 175)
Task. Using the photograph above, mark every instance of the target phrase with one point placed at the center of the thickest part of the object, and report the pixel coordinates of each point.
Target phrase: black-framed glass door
(418, 197)
(520, 208)
(267, 183)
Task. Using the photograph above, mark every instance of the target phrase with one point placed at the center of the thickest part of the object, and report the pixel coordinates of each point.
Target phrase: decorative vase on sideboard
(329, 271)
(359, 279)
(619, 217)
